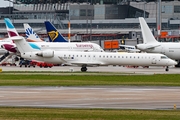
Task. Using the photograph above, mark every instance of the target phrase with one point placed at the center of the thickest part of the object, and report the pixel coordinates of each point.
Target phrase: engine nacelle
(46, 53)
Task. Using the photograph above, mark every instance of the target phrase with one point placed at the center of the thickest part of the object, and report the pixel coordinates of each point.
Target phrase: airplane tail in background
(148, 37)
(10, 28)
(30, 34)
(12, 33)
(53, 34)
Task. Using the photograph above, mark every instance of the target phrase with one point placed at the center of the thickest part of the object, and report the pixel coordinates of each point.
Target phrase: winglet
(30, 34)
(53, 34)
(148, 37)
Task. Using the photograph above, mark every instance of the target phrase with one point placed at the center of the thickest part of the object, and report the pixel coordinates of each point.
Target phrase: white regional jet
(151, 45)
(85, 59)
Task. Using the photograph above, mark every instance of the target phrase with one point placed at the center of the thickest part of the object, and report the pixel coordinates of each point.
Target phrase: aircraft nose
(173, 62)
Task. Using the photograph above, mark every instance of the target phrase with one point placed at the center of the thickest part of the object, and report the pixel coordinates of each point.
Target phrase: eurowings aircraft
(151, 45)
(53, 34)
(85, 59)
(4, 41)
(75, 46)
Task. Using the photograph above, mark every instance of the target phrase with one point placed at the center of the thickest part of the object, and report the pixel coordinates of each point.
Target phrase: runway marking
(26, 92)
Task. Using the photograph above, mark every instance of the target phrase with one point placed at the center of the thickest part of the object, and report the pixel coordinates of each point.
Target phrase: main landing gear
(167, 68)
(84, 68)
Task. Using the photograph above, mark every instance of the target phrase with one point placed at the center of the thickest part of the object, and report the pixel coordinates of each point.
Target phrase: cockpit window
(163, 57)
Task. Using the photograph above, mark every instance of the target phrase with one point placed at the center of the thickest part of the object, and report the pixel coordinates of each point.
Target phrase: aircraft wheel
(167, 68)
(83, 69)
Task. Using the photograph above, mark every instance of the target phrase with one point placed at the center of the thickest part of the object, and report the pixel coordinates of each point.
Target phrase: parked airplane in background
(53, 34)
(129, 48)
(75, 46)
(151, 45)
(31, 36)
(85, 59)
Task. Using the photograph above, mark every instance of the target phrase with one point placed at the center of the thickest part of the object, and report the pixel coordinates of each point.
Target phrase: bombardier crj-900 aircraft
(63, 46)
(85, 59)
(151, 45)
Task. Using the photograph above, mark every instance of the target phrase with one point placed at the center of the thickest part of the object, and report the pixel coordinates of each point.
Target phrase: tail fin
(30, 34)
(20, 42)
(146, 32)
(53, 34)
(10, 28)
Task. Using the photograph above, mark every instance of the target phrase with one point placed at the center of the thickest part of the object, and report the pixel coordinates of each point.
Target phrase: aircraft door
(154, 60)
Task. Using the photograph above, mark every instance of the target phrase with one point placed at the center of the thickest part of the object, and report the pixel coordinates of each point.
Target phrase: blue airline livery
(53, 34)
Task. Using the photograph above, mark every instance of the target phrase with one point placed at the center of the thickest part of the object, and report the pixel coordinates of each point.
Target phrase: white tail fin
(22, 45)
(30, 34)
(146, 32)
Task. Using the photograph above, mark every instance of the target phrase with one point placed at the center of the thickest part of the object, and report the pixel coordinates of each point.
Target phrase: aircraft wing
(85, 63)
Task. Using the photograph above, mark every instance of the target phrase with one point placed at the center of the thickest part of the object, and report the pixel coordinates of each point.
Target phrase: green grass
(79, 79)
(88, 114)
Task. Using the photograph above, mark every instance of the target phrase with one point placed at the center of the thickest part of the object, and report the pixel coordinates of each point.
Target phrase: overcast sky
(4, 3)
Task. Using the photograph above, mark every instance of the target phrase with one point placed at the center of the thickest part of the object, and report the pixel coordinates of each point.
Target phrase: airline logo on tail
(53, 35)
(29, 31)
(10, 28)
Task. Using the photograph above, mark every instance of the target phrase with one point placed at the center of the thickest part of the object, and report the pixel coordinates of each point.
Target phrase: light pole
(145, 9)
(159, 19)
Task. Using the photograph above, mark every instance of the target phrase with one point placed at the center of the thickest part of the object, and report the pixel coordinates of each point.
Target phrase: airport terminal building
(96, 20)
